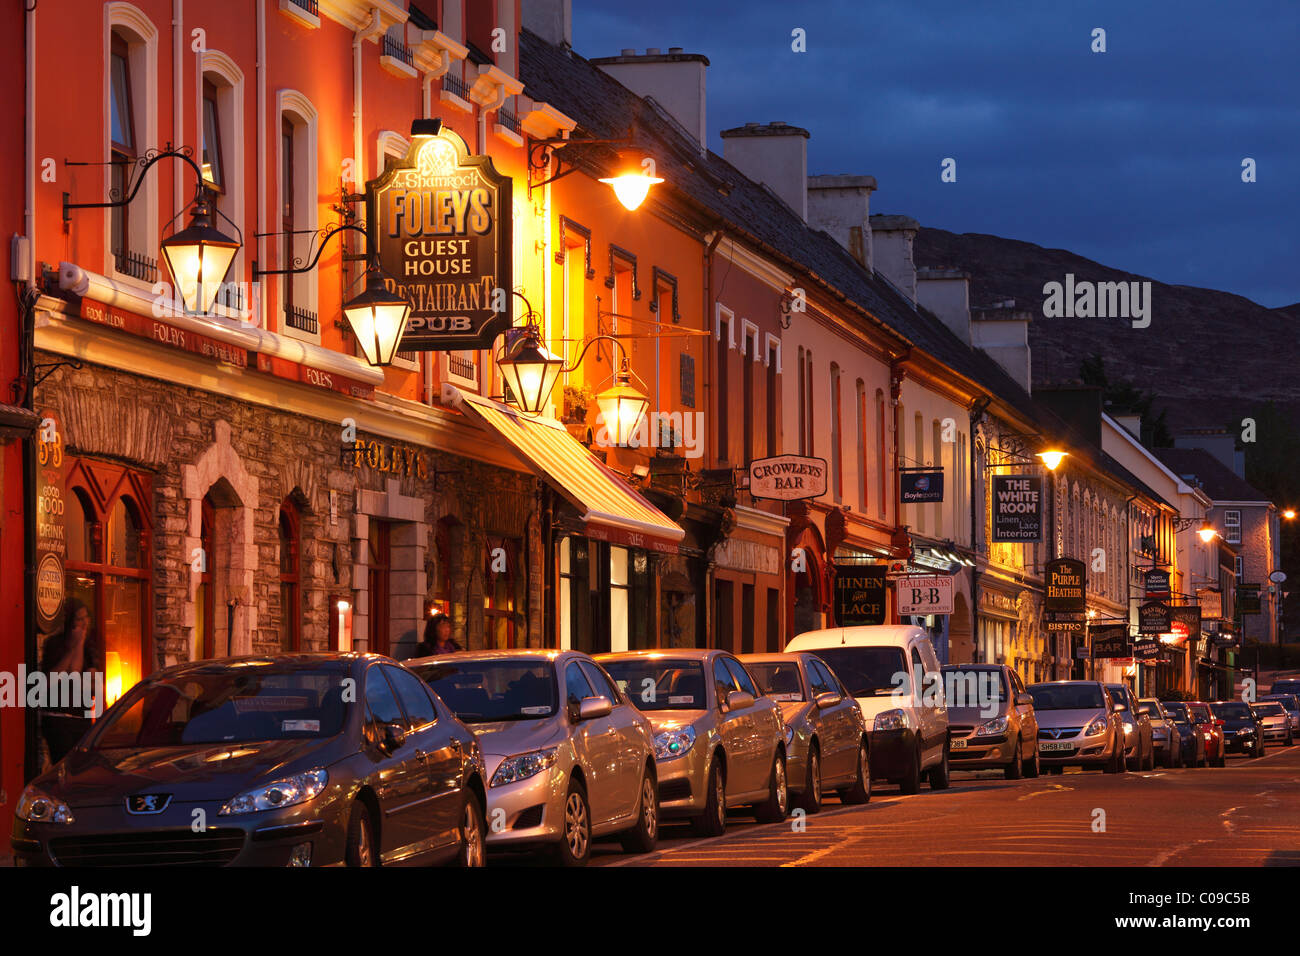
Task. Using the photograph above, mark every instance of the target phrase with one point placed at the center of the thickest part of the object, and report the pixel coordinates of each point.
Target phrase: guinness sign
(442, 224)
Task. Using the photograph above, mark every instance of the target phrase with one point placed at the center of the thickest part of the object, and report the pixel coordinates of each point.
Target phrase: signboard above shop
(1017, 508)
(1065, 586)
(920, 485)
(1153, 618)
(859, 594)
(442, 223)
(1156, 583)
(924, 594)
(1110, 640)
(787, 478)
(1211, 601)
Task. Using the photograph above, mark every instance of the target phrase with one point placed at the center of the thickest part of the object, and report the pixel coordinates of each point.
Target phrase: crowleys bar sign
(442, 223)
(787, 478)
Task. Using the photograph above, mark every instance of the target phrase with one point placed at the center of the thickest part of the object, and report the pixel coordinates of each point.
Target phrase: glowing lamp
(622, 407)
(378, 319)
(198, 258)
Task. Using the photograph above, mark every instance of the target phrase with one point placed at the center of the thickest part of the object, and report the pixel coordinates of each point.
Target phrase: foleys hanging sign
(442, 225)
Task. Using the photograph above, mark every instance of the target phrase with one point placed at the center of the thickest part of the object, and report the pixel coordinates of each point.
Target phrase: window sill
(455, 102)
(296, 13)
(397, 67)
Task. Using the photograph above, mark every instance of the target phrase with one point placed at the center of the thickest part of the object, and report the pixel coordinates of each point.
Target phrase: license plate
(959, 744)
(1049, 745)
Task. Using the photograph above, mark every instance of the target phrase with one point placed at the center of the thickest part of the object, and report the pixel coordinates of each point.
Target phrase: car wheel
(911, 783)
(1151, 757)
(1016, 768)
(1290, 741)
(574, 847)
(644, 837)
(472, 850)
(939, 776)
(1056, 771)
(361, 848)
(777, 805)
(860, 792)
(811, 798)
(1032, 766)
(1259, 751)
(714, 820)
(1222, 759)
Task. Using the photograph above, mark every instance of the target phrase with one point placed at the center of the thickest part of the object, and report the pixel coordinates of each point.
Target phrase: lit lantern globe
(531, 372)
(622, 408)
(198, 258)
(378, 319)
(632, 181)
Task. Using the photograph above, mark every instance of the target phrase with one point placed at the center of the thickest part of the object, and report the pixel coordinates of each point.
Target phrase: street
(1247, 814)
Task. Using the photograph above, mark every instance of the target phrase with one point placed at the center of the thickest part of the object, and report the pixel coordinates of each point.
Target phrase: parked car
(991, 720)
(1288, 686)
(1211, 731)
(1291, 703)
(1166, 738)
(1242, 731)
(1192, 744)
(1079, 724)
(826, 735)
(569, 759)
(718, 742)
(1139, 745)
(266, 761)
(893, 672)
(1274, 721)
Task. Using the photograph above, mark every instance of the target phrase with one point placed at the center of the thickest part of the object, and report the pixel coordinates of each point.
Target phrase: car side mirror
(1218, 722)
(827, 699)
(1144, 711)
(739, 700)
(1025, 699)
(1119, 709)
(394, 737)
(589, 708)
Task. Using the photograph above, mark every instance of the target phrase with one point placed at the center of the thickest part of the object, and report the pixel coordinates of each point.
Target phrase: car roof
(678, 653)
(875, 635)
(788, 657)
(518, 654)
(301, 661)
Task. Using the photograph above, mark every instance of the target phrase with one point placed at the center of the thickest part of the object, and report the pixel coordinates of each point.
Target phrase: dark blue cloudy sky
(1131, 157)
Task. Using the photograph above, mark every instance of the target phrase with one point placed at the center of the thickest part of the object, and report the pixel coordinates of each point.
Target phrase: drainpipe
(707, 386)
(444, 64)
(483, 111)
(373, 27)
(261, 158)
(178, 91)
(26, 372)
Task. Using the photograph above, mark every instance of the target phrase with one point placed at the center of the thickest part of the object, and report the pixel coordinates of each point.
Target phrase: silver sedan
(568, 757)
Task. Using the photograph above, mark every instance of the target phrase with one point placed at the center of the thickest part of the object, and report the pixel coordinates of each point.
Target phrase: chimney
(675, 80)
(841, 205)
(775, 154)
(552, 20)
(1218, 442)
(1131, 423)
(1002, 331)
(946, 293)
(891, 243)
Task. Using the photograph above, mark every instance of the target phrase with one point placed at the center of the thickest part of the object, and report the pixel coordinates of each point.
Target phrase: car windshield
(777, 679)
(973, 687)
(484, 691)
(1288, 701)
(1119, 694)
(1270, 709)
(655, 683)
(1200, 713)
(1177, 711)
(1232, 708)
(245, 703)
(1285, 687)
(1154, 705)
(1066, 696)
(867, 671)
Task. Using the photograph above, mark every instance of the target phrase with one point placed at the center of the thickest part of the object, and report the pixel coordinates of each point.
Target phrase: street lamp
(1289, 514)
(1207, 532)
(378, 318)
(622, 406)
(632, 182)
(199, 256)
(633, 173)
(1052, 459)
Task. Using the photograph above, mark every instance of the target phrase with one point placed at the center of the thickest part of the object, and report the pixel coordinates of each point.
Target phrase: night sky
(1131, 157)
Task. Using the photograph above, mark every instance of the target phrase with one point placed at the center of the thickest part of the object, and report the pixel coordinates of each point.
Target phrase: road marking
(1055, 788)
(1228, 824)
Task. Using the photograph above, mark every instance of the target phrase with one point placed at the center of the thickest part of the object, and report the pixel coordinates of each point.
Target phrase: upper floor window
(837, 437)
(1232, 526)
(123, 141)
(297, 200)
(213, 168)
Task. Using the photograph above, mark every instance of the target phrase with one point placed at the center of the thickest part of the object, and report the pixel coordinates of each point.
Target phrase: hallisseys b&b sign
(442, 225)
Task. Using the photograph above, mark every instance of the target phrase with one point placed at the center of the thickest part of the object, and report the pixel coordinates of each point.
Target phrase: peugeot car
(568, 758)
(826, 735)
(303, 760)
(719, 742)
(1078, 724)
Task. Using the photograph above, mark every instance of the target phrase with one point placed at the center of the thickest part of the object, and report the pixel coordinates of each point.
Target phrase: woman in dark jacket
(73, 651)
(437, 638)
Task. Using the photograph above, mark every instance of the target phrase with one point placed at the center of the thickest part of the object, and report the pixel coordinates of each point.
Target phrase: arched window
(880, 456)
(290, 579)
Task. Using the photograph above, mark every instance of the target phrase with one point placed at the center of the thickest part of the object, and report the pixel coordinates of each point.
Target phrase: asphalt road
(1246, 814)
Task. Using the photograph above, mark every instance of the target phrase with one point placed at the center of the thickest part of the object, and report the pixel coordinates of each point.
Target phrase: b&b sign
(924, 594)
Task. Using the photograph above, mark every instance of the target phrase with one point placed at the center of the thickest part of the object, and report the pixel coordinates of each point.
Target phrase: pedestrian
(74, 650)
(437, 638)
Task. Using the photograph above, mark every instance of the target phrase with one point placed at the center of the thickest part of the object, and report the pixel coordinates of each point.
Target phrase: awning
(608, 507)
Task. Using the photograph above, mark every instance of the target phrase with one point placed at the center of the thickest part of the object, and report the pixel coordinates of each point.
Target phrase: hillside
(1210, 356)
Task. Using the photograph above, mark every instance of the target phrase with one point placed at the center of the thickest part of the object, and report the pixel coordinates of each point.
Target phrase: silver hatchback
(568, 757)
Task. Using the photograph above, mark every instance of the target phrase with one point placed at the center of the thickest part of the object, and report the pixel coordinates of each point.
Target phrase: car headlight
(992, 728)
(1128, 727)
(674, 743)
(522, 766)
(37, 807)
(288, 792)
(891, 720)
(789, 734)
(1098, 725)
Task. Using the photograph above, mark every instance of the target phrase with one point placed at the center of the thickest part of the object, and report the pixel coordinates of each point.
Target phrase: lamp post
(633, 172)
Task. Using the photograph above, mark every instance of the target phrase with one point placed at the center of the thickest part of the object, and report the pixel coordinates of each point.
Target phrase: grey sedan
(826, 735)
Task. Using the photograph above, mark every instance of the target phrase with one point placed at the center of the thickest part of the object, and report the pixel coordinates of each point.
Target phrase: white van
(887, 669)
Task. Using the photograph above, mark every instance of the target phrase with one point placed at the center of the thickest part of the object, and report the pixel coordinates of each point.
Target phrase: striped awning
(609, 508)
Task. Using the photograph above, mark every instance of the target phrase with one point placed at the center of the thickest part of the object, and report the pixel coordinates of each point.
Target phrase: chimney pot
(628, 51)
(674, 49)
(652, 51)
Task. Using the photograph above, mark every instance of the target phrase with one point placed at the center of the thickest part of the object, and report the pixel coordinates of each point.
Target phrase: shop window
(747, 619)
(576, 594)
(503, 579)
(618, 599)
(107, 568)
(290, 578)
